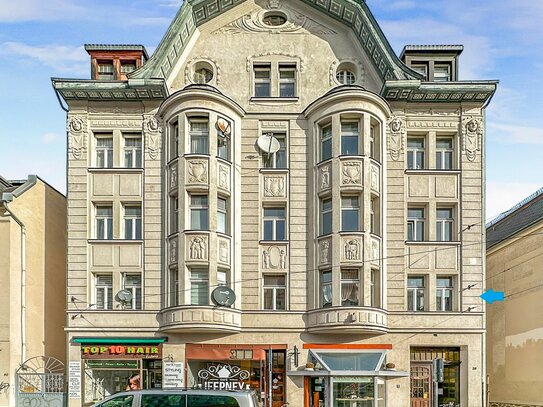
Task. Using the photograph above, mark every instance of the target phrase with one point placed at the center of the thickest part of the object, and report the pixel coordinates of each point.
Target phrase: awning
(113, 340)
(350, 373)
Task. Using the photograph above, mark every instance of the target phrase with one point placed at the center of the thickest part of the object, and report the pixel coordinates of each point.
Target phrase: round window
(345, 77)
(274, 19)
(202, 75)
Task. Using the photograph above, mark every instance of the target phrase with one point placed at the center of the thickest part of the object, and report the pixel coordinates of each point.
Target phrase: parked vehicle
(180, 398)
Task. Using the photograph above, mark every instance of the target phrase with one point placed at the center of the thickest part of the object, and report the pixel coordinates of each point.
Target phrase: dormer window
(127, 67)
(442, 72)
(105, 70)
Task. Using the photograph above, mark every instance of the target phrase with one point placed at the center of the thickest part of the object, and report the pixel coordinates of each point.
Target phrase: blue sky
(43, 39)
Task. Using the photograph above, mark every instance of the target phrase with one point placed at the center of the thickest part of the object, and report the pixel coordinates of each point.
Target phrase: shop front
(231, 367)
(109, 364)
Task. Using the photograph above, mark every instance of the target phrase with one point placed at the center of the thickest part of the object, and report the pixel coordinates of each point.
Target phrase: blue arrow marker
(490, 296)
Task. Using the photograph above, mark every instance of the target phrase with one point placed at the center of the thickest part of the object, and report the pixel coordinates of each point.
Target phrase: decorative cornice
(73, 89)
(479, 92)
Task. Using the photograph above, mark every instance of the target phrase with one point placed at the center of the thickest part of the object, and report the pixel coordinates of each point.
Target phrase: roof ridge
(516, 207)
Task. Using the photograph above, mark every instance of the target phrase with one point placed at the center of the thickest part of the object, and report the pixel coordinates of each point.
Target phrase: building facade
(32, 274)
(276, 200)
(515, 327)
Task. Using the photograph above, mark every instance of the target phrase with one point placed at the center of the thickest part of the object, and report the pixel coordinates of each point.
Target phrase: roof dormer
(115, 62)
(437, 63)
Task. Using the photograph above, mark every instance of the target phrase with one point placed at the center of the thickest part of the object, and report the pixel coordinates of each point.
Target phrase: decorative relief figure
(352, 174)
(153, 134)
(274, 186)
(198, 248)
(396, 134)
(197, 172)
(325, 177)
(375, 251)
(173, 176)
(325, 252)
(273, 4)
(352, 250)
(472, 132)
(77, 137)
(375, 178)
(173, 251)
(224, 177)
(274, 257)
(223, 251)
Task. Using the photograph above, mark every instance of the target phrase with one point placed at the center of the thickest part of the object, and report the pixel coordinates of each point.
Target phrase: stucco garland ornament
(472, 135)
(76, 137)
(396, 135)
(153, 133)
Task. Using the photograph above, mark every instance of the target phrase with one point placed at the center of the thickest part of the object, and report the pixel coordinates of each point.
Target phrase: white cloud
(48, 138)
(39, 10)
(502, 196)
(515, 134)
(62, 58)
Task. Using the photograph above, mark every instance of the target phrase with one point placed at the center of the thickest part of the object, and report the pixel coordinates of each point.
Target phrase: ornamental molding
(274, 258)
(152, 130)
(224, 177)
(472, 135)
(254, 22)
(396, 135)
(352, 249)
(224, 251)
(352, 173)
(197, 171)
(274, 186)
(360, 71)
(324, 174)
(432, 112)
(250, 59)
(110, 123)
(198, 247)
(423, 124)
(324, 251)
(173, 250)
(76, 127)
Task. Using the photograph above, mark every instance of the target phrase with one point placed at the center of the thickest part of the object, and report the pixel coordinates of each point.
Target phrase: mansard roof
(352, 13)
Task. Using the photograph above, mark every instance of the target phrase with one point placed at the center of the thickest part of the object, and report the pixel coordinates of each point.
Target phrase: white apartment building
(275, 200)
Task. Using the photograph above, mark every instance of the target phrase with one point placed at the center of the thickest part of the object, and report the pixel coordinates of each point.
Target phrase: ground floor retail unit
(302, 374)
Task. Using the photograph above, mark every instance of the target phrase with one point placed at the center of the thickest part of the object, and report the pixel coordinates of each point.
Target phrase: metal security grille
(40, 382)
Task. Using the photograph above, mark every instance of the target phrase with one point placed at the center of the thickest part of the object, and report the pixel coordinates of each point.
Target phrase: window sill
(273, 242)
(266, 170)
(115, 241)
(432, 171)
(433, 242)
(115, 169)
(274, 99)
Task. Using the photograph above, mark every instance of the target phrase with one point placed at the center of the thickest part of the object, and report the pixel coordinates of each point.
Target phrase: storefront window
(349, 391)
(106, 377)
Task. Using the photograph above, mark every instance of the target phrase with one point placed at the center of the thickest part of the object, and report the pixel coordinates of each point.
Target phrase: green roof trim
(113, 340)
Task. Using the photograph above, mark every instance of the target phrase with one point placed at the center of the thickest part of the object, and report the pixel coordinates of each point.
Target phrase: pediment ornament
(152, 130)
(77, 136)
(472, 134)
(396, 136)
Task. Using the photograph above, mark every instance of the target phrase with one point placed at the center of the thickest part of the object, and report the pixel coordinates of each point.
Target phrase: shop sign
(224, 377)
(74, 380)
(172, 375)
(121, 351)
(112, 364)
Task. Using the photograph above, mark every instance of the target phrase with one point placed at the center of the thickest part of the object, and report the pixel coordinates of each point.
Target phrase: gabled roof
(353, 13)
(526, 213)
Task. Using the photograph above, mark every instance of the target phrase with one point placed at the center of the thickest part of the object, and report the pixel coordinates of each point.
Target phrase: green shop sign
(112, 364)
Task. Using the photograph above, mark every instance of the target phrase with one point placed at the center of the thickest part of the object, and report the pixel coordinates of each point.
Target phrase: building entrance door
(421, 385)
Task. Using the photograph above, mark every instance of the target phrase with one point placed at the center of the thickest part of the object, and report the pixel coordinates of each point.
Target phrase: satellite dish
(268, 144)
(223, 296)
(223, 126)
(124, 296)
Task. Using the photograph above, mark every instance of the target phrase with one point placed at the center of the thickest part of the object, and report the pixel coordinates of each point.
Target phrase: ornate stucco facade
(359, 234)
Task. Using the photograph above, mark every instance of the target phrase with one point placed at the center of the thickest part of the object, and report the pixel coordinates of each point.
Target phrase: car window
(120, 401)
(163, 400)
(205, 400)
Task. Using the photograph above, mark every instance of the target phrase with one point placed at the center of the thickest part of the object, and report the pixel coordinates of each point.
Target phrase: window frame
(413, 222)
(262, 67)
(107, 294)
(198, 138)
(441, 77)
(274, 161)
(442, 152)
(174, 287)
(346, 135)
(325, 140)
(275, 289)
(174, 139)
(345, 77)
(194, 281)
(198, 208)
(287, 67)
(347, 209)
(109, 73)
(329, 286)
(107, 222)
(442, 224)
(223, 212)
(416, 154)
(135, 152)
(353, 281)
(133, 219)
(324, 213)
(441, 292)
(103, 151)
(136, 290)
(128, 62)
(273, 220)
(416, 296)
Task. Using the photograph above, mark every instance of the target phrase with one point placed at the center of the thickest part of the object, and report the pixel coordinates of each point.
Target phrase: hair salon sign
(224, 377)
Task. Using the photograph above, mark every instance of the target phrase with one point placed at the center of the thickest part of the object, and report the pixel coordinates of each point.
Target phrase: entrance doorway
(421, 385)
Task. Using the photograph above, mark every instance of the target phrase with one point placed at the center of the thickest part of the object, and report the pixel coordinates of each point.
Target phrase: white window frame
(345, 134)
(107, 222)
(375, 288)
(134, 153)
(345, 77)
(128, 63)
(107, 292)
(274, 288)
(414, 153)
(414, 223)
(198, 208)
(325, 138)
(198, 138)
(262, 68)
(271, 160)
(106, 152)
(326, 284)
(133, 219)
(324, 212)
(443, 223)
(273, 220)
(442, 152)
(440, 305)
(223, 212)
(174, 287)
(199, 279)
(174, 139)
(347, 208)
(135, 290)
(353, 281)
(416, 305)
(441, 76)
(290, 81)
(109, 73)
(174, 214)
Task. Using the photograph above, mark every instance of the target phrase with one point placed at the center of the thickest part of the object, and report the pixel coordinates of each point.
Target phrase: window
(132, 283)
(415, 294)
(199, 134)
(120, 401)
(132, 150)
(223, 146)
(222, 277)
(174, 214)
(326, 142)
(326, 216)
(274, 292)
(350, 213)
(345, 77)
(199, 286)
(350, 288)
(274, 224)
(132, 222)
(222, 215)
(199, 214)
(278, 159)
(415, 153)
(444, 293)
(444, 224)
(375, 222)
(202, 75)
(442, 72)
(104, 150)
(262, 80)
(103, 285)
(174, 287)
(326, 288)
(349, 138)
(375, 289)
(209, 400)
(287, 81)
(174, 140)
(415, 224)
(274, 19)
(422, 69)
(374, 142)
(105, 70)
(104, 222)
(444, 154)
(127, 67)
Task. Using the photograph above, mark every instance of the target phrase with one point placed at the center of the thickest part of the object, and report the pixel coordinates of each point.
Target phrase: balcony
(194, 318)
(341, 320)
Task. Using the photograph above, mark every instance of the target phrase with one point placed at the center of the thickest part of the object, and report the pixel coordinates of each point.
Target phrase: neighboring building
(514, 259)
(279, 149)
(33, 279)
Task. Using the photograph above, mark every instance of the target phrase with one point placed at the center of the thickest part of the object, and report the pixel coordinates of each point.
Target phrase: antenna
(268, 144)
